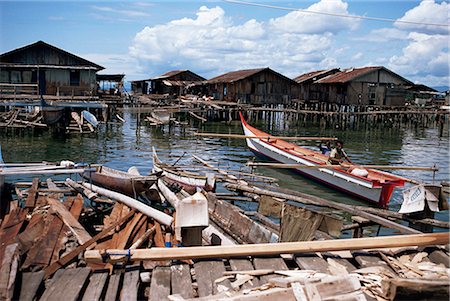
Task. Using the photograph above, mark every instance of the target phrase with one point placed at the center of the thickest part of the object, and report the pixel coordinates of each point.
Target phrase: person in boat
(325, 149)
(338, 155)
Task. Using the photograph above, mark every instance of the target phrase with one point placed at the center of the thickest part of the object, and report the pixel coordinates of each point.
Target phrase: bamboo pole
(267, 137)
(397, 241)
(302, 166)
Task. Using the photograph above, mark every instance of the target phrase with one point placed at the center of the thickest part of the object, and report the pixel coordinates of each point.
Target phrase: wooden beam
(397, 241)
(267, 137)
(322, 202)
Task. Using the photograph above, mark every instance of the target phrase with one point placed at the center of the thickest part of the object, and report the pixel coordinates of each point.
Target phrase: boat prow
(377, 186)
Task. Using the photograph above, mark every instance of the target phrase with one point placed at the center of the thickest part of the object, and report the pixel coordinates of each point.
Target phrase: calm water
(123, 145)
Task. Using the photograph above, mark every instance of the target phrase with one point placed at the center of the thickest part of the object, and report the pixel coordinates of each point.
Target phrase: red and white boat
(377, 186)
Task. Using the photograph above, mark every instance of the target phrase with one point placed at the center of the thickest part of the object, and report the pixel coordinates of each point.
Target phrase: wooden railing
(19, 89)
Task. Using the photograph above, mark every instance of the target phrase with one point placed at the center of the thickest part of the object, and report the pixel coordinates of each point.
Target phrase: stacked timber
(20, 119)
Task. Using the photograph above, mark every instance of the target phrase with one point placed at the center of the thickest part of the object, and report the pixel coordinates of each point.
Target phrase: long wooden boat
(377, 187)
(189, 181)
(120, 181)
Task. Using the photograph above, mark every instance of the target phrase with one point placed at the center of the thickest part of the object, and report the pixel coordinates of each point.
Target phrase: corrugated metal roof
(234, 76)
(347, 75)
(310, 75)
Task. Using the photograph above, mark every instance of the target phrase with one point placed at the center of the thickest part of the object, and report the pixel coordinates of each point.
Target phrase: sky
(148, 38)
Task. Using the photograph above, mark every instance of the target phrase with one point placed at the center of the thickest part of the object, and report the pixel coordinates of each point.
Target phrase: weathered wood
(95, 287)
(113, 287)
(322, 202)
(243, 264)
(312, 262)
(8, 271)
(160, 284)
(30, 285)
(365, 260)
(272, 263)
(206, 273)
(10, 228)
(69, 257)
(181, 280)
(269, 206)
(70, 221)
(32, 233)
(66, 285)
(299, 224)
(32, 194)
(418, 289)
(280, 248)
(130, 284)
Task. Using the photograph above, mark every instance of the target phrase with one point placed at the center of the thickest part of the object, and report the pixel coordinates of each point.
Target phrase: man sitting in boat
(338, 155)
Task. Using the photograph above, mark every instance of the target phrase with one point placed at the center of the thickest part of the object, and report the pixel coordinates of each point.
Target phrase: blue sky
(145, 39)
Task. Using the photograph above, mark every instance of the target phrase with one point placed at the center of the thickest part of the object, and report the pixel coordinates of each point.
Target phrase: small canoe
(188, 180)
(375, 186)
(89, 117)
(120, 181)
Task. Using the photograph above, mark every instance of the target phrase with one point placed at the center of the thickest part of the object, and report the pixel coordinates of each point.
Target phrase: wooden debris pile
(18, 118)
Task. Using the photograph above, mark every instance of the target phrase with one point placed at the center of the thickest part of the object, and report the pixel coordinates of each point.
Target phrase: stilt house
(253, 86)
(43, 69)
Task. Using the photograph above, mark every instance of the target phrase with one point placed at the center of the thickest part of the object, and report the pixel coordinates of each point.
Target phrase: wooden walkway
(198, 279)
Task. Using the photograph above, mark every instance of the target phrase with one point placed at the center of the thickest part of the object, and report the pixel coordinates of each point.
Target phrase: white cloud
(384, 35)
(123, 12)
(311, 23)
(427, 12)
(211, 43)
(425, 54)
(117, 64)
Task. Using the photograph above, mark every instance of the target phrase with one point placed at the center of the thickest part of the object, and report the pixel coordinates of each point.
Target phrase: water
(123, 145)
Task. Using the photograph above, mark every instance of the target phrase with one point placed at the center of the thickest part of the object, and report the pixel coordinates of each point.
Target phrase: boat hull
(119, 181)
(365, 189)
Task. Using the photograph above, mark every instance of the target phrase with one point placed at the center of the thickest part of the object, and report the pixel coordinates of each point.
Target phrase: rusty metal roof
(347, 75)
(314, 74)
(170, 74)
(235, 76)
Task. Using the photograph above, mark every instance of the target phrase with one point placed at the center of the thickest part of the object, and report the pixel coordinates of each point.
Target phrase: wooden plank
(30, 285)
(30, 202)
(67, 285)
(70, 221)
(8, 271)
(181, 280)
(11, 227)
(439, 257)
(242, 264)
(269, 206)
(130, 284)
(160, 284)
(69, 257)
(76, 211)
(42, 251)
(95, 287)
(206, 273)
(32, 233)
(113, 287)
(279, 248)
(366, 259)
(312, 262)
(298, 224)
(271, 263)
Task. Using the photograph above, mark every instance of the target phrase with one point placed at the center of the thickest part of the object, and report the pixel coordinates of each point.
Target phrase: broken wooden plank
(312, 262)
(69, 257)
(66, 285)
(272, 263)
(32, 194)
(30, 285)
(160, 284)
(243, 264)
(95, 287)
(207, 272)
(70, 221)
(181, 280)
(8, 271)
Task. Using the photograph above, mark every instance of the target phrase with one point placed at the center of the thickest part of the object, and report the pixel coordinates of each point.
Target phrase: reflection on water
(123, 145)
